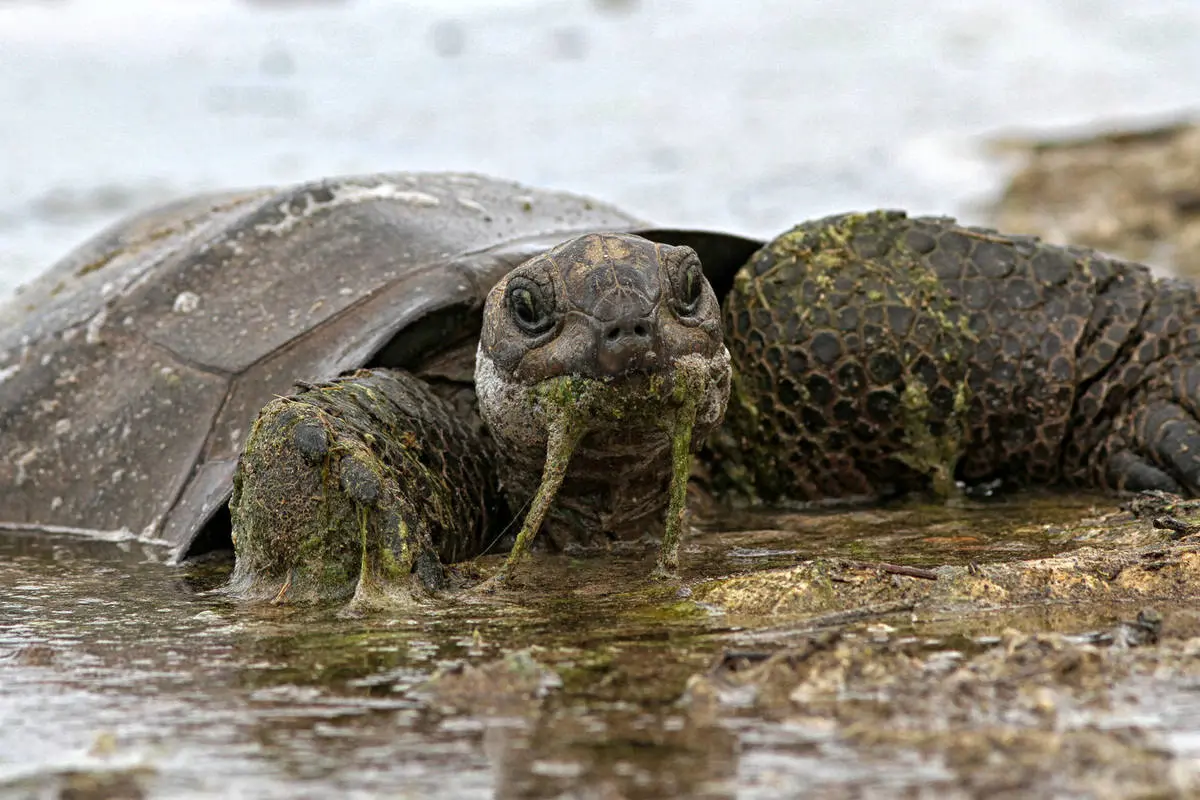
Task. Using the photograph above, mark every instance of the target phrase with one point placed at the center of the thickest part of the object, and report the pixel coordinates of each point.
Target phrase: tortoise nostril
(625, 329)
(624, 344)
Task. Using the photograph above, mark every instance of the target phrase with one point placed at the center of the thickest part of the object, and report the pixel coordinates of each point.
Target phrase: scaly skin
(876, 353)
(355, 485)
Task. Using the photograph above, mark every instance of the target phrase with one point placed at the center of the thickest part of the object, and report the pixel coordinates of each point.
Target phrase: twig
(1178, 527)
(831, 620)
(895, 569)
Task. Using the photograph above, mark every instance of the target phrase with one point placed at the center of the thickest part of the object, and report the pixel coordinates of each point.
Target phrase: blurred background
(747, 116)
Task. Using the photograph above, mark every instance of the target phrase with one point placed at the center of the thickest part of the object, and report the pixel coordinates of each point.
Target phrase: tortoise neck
(618, 478)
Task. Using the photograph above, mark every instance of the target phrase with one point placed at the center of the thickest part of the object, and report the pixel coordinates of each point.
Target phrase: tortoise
(872, 354)
(131, 371)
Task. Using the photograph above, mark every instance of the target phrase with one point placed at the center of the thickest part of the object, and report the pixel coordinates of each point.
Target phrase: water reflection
(104, 644)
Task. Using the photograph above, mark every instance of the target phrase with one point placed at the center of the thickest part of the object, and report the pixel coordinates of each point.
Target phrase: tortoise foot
(336, 498)
(1159, 450)
(1135, 474)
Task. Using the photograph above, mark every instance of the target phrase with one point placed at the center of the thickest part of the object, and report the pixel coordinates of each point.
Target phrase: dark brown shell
(131, 370)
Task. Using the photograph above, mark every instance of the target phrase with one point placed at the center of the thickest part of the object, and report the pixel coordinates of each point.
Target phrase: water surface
(122, 674)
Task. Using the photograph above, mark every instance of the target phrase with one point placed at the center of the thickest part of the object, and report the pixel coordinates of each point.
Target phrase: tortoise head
(606, 352)
(604, 305)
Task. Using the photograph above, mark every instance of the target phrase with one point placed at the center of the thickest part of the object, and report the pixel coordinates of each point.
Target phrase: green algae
(284, 550)
(798, 287)
(566, 427)
(928, 454)
(681, 461)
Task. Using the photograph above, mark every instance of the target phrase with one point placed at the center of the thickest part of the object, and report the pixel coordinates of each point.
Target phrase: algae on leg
(344, 491)
(935, 457)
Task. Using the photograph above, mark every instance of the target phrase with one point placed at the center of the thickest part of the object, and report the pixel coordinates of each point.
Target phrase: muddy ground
(1030, 647)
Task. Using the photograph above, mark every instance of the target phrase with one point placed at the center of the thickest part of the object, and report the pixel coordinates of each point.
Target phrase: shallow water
(124, 675)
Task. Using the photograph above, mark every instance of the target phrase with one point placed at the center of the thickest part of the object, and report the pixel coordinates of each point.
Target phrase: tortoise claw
(430, 571)
(360, 481)
(1173, 436)
(311, 441)
(1160, 451)
(1132, 473)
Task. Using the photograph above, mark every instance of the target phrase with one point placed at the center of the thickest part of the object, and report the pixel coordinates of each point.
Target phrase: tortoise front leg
(1158, 448)
(359, 488)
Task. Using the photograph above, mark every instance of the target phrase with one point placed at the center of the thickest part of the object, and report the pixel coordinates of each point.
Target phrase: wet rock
(1015, 715)
(1134, 193)
(1156, 503)
(1107, 560)
(1017, 676)
(513, 684)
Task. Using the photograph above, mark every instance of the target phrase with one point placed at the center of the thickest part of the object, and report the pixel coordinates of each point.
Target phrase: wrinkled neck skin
(616, 485)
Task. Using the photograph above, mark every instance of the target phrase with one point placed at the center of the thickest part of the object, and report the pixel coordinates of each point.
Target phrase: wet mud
(1036, 647)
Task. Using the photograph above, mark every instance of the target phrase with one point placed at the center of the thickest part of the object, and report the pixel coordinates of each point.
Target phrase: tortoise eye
(691, 286)
(528, 308)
